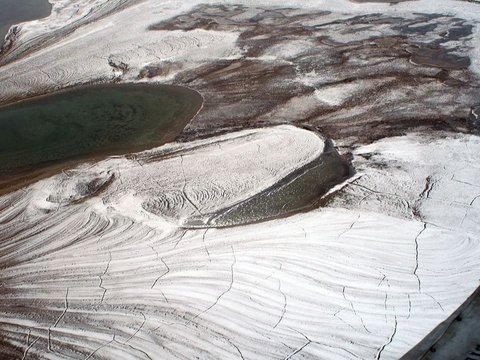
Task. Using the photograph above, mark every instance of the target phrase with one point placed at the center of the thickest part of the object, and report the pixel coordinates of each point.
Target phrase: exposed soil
(386, 75)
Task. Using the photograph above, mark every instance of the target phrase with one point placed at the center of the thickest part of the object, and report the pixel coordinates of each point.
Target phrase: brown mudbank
(385, 84)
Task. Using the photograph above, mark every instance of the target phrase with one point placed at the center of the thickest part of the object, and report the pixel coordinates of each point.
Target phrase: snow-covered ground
(96, 261)
(83, 25)
(105, 278)
(179, 181)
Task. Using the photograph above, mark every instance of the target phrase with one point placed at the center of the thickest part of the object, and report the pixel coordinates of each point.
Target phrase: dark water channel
(299, 191)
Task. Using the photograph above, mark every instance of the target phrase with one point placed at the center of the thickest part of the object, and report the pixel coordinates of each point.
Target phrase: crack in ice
(224, 292)
(103, 274)
(136, 332)
(185, 186)
(390, 339)
(163, 274)
(57, 321)
(284, 304)
(100, 347)
(354, 310)
(416, 257)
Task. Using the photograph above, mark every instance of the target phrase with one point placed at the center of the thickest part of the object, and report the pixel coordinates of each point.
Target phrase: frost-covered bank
(102, 260)
(106, 277)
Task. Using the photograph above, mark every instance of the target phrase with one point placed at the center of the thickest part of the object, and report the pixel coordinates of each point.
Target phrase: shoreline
(17, 20)
(22, 178)
(391, 252)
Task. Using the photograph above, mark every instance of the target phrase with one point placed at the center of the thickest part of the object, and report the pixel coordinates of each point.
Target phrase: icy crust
(88, 40)
(133, 44)
(66, 16)
(95, 261)
(112, 280)
(182, 180)
(420, 177)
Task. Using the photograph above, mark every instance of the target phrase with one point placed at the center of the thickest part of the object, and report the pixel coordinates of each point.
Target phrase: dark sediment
(404, 73)
(392, 74)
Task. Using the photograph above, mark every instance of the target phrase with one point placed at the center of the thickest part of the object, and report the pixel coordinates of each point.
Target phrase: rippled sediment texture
(98, 261)
(89, 274)
(358, 72)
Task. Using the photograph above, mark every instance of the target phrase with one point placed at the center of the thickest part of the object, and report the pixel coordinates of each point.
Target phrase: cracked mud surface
(121, 257)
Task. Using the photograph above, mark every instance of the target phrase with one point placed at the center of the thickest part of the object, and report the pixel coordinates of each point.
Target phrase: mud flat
(91, 122)
(135, 257)
(99, 273)
(301, 190)
(346, 69)
(258, 173)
